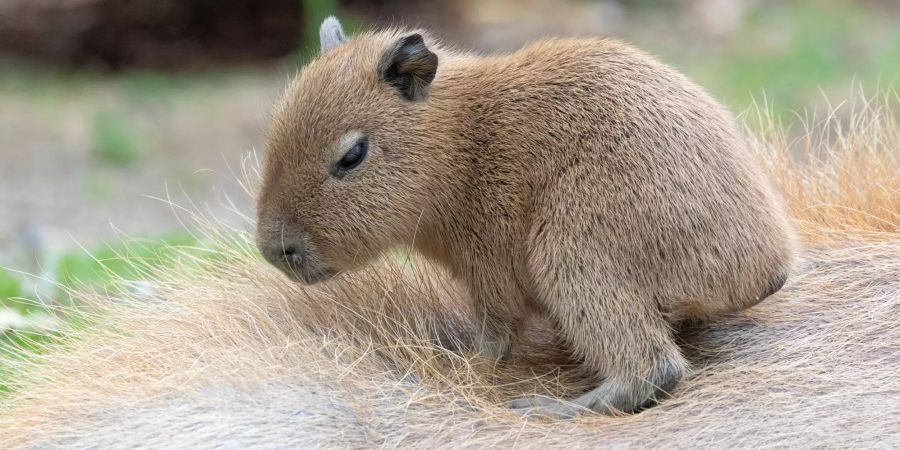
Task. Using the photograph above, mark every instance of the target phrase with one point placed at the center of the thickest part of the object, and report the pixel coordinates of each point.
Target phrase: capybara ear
(409, 66)
(331, 34)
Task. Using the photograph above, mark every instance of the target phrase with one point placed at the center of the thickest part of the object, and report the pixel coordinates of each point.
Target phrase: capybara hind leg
(494, 344)
(614, 395)
(497, 331)
(623, 340)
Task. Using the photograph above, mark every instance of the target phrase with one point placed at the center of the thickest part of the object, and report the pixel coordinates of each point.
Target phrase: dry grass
(839, 175)
(227, 350)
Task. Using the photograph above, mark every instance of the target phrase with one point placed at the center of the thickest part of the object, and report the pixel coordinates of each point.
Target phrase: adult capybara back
(578, 179)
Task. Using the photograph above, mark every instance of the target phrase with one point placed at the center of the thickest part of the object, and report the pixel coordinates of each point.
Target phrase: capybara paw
(537, 406)
(497, 348)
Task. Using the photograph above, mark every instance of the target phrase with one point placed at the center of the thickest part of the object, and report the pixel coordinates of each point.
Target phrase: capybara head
(347, 174)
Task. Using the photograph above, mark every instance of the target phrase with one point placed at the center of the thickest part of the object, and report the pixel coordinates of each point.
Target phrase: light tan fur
(229, 353)
(576, 179)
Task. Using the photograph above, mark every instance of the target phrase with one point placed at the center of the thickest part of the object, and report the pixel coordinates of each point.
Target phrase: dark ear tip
(410, 66)
(413, 39)
(413, 46)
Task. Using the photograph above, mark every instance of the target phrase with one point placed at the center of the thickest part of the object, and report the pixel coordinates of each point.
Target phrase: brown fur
(229, 353)
(576, 179)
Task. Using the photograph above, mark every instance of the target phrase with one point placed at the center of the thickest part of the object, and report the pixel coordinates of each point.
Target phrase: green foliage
(14, 297)
(16, 344)
(115, 138)
(789, 52)
(10, 286)
(12, 342)
(105, 265)
(148, 85)
(101, 269)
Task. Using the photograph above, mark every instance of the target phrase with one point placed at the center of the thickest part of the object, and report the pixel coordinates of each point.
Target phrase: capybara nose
(290, 251)
(286, 256)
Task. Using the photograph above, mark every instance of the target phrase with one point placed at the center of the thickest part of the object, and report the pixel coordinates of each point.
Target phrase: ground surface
(82, 158)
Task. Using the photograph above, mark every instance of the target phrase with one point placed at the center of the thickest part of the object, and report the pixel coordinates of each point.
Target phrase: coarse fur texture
(577, 180)
(228, 353)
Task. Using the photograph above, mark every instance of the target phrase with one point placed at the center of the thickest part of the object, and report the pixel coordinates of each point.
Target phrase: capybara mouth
(307, 276)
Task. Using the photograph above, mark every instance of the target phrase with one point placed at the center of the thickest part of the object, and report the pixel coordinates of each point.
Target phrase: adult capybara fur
(577, 179)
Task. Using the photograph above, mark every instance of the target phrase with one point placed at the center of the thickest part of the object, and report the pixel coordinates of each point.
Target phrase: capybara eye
(354, 156)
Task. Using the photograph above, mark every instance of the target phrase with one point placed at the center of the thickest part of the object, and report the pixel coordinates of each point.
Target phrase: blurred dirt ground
(69, 177)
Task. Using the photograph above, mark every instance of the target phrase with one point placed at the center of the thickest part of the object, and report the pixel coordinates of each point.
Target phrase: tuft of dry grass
(226, 351)
(839, 173)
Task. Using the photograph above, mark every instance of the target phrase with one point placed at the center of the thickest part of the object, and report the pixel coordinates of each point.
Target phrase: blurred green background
(111, 110)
